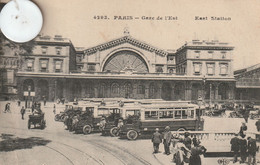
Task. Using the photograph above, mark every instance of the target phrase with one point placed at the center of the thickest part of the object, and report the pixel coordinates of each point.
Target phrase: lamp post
(29, 94)
(204, 86)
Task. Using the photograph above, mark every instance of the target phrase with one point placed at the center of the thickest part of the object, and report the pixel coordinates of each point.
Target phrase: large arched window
(125, 61)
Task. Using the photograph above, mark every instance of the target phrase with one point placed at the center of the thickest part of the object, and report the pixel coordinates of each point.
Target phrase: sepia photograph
(148, 82)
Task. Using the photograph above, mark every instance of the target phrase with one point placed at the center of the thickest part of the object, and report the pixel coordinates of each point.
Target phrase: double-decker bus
(179, 116)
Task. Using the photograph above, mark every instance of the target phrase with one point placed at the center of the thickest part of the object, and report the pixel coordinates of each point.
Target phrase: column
(172, 92)
(36, 64)
(51, 64)
(216, 90)
(187, 95)
(159, 90)
(146, 93)
(51, 87)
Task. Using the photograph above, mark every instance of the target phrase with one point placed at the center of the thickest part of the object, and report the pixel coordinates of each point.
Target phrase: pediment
(122, 40)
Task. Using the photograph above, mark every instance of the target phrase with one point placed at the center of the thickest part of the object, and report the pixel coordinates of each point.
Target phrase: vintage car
(179, 116)
(36, 119)
(91, 120)
(113, 123)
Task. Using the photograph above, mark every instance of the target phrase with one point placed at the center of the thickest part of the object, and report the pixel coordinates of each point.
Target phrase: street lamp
(29, 93)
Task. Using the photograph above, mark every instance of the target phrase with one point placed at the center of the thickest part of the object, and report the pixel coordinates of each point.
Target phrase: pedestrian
(246, 114)
(7, 108)
(196, 151)
(167, 136)
(44, 100)
(182, 153)
(19, 103)
(33, 106)
(242, 130)
(257, 123)
(252, 149)
(22, 112)
(187, 140)
(194, 140)
(243, 148)
(235, 147)
(54, 109)
(156, 140)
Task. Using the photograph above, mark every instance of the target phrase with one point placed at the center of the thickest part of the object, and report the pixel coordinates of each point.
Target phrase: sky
(74, 19)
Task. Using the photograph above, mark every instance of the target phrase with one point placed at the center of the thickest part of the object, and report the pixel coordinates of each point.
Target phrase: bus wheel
(114, 131)
(87, 129)
(181, 129)
(132, 135)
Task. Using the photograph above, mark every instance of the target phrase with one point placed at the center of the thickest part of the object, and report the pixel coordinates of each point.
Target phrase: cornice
(125, 39)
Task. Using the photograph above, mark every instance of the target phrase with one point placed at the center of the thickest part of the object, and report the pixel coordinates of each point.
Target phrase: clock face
(125, 61)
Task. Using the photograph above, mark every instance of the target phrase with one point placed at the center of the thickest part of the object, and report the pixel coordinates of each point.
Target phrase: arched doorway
(90, 90)
(152, 91)
(76, 90)
(27, 83)
(128, 89)
(196, 91)
(102, 90)
(223, 91)
(166, 91)
(115, 90)
(43, 89)
(59, 89)
(179, 91)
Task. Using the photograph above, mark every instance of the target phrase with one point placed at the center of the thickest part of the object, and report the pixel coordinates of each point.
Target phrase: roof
(206, 44)
(125, 39)
(248, 69)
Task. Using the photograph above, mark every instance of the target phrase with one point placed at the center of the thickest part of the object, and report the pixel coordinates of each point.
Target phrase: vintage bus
(179, 116)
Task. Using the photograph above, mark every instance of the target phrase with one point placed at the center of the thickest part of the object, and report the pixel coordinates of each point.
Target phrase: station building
(127, 67)
(248, 84)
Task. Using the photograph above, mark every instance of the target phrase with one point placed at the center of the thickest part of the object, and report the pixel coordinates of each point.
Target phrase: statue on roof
(126, 31)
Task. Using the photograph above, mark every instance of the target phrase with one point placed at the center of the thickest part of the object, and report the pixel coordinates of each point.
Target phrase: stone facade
(129, 68)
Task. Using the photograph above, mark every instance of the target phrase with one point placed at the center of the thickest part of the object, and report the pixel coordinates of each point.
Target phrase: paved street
(54, 145)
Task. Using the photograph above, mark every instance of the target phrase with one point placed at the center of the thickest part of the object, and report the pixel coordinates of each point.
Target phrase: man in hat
(187, 140)
(235, 147)
(243, 148)
(243, 128)
(167, 136)
(257, 124)
(252, 148)
(156, 139)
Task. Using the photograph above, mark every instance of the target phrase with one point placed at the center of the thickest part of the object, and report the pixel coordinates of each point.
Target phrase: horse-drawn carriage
(36, 120)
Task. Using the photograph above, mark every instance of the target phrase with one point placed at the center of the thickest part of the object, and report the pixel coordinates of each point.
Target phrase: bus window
(103, 111)
(190, 114)
(151, 115)
(166, 114)
(184, 114)
(177, 114)
(132, 112)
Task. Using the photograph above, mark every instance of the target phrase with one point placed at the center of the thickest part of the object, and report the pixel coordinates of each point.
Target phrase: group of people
(185, 149)
(244, 147)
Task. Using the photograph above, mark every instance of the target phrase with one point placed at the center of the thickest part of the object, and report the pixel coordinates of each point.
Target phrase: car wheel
(87, 129)
(56, 118)
(132, 135)
(114, 131)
